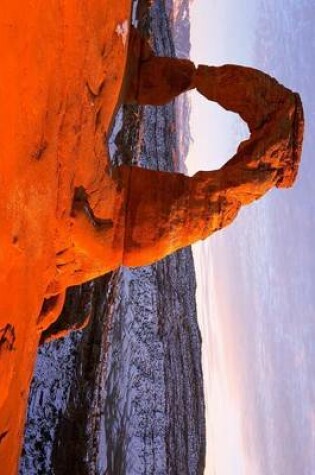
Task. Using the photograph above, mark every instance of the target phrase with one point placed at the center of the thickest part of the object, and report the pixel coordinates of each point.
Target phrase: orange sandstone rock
(61, 73)
(179, 210)
(151, 79)
(66, 217)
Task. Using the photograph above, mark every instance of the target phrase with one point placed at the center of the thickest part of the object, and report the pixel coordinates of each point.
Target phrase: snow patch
(122, 30)
(134, 18)
(118, 123)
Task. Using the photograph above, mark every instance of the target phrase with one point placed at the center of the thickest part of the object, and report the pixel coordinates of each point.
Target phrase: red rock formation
(189, 209)
(65, 216)
(154, 80)
(62, 67)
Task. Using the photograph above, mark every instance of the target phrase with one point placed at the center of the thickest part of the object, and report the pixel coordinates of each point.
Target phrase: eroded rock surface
(62, 67)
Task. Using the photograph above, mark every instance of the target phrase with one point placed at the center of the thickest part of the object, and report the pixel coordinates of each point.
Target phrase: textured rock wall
(54, 112)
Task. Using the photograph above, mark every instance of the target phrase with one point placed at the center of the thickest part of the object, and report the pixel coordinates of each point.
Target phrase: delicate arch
(168, 211)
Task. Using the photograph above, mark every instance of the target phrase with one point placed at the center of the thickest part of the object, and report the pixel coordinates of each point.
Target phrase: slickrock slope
(62, 66)
(66, 217)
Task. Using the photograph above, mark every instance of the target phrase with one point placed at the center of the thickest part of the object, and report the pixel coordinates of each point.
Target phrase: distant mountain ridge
(179, 12)
(179, 18)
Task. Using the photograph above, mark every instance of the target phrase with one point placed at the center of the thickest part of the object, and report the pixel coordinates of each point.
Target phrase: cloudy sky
(256, 279)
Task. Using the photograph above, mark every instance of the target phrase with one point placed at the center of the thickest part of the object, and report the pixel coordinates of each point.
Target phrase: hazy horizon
(256, 286)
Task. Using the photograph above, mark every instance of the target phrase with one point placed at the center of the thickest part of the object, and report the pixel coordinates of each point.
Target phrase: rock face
(66, 216)
(62, 68)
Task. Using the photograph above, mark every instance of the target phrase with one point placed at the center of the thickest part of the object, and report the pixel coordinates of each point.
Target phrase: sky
(256, 279)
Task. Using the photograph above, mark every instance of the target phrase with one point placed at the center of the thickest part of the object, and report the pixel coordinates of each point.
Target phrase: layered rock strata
(66, 216)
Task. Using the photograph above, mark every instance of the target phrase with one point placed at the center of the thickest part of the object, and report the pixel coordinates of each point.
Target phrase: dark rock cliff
(125, 395)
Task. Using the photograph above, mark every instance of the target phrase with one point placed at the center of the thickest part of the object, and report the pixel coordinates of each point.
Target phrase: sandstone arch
(163, 212)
